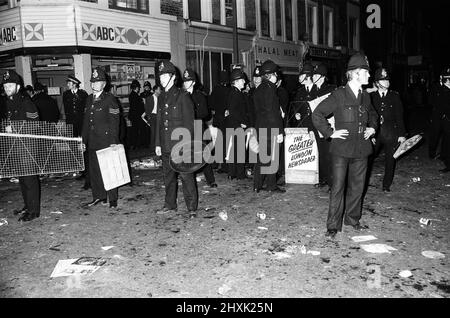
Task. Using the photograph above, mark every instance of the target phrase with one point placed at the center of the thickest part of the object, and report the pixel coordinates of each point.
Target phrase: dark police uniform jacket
(136, 106)
(175, 110)
(47, 107)
(21, 107)
(440, 100)
(237, 108)
(201, 109)
(101, 121)
(390, 112)
(218, 101)
(300, 105)
(74, 105)
(350, 113)
(268, 114)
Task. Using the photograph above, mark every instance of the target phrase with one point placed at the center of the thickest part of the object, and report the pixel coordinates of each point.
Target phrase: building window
(216, 11)
(312, 22)
(229, 12)
(140, 6)
(278, 17)
(93, 1)
(301, 20)
(288, 19)
(194, 10)
(328, 18)
(265, 18)
(250, 15)
(353, 31)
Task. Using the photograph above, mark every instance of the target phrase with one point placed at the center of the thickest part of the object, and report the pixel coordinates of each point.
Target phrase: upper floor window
(229, 14)
(265, 18)
(278, 18)
(250, 15)
(288, 19)
(353, 33)
(194, 10)
(328, 19)
(140, 6)
(312, 22)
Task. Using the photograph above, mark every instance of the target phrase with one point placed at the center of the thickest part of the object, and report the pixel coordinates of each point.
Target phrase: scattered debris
(55, 247)
(364, 238)
(77, 266)
(405, 274)
(282, 255)
(262, 228)
(378, 248)
(313, 253)
(223, 215)
(415, 180)
(205, 192)
(14, 180)
(107, 248)
(149, 183)
(261, 215)
(3, 222)
(146, 164)
(224, 289)
(425, 221)
(56, 212)
(433, 254)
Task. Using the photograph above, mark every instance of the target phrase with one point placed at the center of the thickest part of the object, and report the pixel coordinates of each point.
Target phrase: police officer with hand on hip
(392, 131)
(100, 131)
(20, 107)
(356, 123)
(175, 110)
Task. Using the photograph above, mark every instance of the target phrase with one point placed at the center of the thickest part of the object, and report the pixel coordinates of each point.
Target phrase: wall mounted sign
(114, 34)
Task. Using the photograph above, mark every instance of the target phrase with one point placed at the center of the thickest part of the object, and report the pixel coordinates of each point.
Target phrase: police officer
(175, 110)
(217, 101)
(100, 130)
(147, 90)
(202, 113)
(235, 118)
(269, 127)
(20, 107)
(441, 120)
(322, 89)
(356, 122)
(47, 106)
(251, 107)
(300, 112)
(392, 131)
(74, 100)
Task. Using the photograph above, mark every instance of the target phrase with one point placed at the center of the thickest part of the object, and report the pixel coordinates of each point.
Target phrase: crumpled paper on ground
(378, 248)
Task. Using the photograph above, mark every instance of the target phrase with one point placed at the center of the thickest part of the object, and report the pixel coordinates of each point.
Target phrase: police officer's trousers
(389, 145)
(323, 146)
(31, 193)
(445, 152)
(268, 177)
(95, 176)
(351, 203)
(171, 183)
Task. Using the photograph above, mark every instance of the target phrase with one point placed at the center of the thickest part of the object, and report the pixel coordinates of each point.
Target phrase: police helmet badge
(384, 73)
(257, 71)
(186, 74)
(367, 60)
(161, 66)
(6, 76)
(95, 74)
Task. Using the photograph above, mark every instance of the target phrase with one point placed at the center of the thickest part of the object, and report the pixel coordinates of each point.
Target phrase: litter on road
(405, 274)
(313, 253)
(223, 216)
(3, 222)
(77, 266)
(425, 221)
(263, 228)
(107, 248)
(56, 212)
(364, 238)
(261, 215)
(378, 248)
(433, 254)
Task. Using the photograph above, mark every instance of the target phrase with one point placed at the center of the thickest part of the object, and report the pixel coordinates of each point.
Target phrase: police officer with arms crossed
(356, 122)
(175, 110)
(20, 107)
(100, 131)
(392, 131)
(201, 113)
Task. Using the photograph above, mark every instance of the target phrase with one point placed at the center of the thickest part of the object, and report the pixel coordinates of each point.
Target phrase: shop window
(139, 6)
(265, 18)
(194, 10)
(288, 19)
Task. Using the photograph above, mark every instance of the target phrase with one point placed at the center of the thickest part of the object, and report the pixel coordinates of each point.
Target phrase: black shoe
(231, 178)
(26, 217)
(277, 190)
(80, 177)
(192, 213)
(95, 202)
(23, 210)
(257, 190)
(331, 234)
(165, 210)
(86, 186)
(386, 189)
(359, 227)
(213, 185)
(113, 204)
(445, 170)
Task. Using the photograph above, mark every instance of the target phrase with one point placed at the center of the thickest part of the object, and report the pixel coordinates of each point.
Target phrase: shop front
(334, 61)
(76, 37)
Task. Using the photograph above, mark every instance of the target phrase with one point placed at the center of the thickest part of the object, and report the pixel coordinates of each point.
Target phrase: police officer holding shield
(392, 131)
(100, 130)
(175, 110)
(20, 107)
(356, 122)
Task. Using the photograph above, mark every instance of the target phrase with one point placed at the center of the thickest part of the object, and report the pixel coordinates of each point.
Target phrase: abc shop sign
(8, 35)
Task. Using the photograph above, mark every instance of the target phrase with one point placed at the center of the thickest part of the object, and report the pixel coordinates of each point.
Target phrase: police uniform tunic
(20, 107)
(175, 110)
(74, 105)
(267, 117)
(100, 130)
(349, 155)
(237, 109)
(390, 112)
(300, 106)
